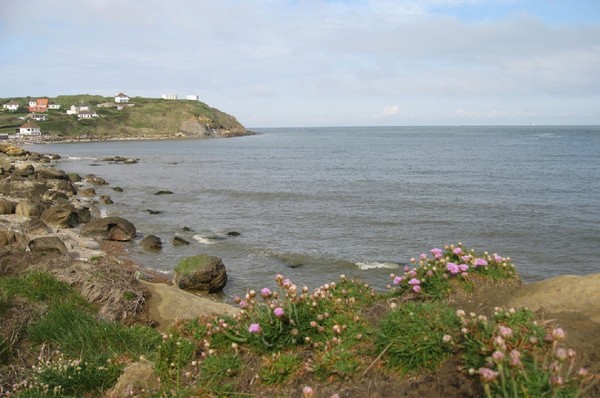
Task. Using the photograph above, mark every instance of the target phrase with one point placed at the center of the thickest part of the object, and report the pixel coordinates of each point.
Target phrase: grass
(289, 336)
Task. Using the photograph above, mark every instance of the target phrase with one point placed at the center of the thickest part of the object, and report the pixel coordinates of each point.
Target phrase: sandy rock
(568, 293)
(179, 241)
(51, 172)
(87, 192)
(25, 170)
(200, 273)
(137, 378)
(48, 245)
(168, 304)
(111, 228)
(94, 180)
(7, 237)
(35, 226)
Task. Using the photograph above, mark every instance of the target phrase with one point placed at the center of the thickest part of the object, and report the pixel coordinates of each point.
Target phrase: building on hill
(39, 117)
(86, 114)
(52, 105)
(29, 129)
(39, 105)
(169, 96)
(121, 98)
(192, 97)
(11, 106)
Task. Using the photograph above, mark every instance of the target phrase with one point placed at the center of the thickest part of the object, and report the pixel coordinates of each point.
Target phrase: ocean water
(313, 203)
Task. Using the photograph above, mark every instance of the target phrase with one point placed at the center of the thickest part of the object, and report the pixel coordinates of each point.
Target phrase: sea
(314, 203)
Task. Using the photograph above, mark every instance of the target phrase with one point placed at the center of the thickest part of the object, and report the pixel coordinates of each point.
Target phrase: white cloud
(390, 110)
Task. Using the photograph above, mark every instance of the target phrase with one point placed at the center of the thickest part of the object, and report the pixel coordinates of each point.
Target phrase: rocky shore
(50, 221)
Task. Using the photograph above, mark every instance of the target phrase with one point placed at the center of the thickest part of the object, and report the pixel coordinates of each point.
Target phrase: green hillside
(141, 117)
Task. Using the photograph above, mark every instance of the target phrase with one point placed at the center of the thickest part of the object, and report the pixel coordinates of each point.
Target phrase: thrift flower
(487, 375)
(452, 268)
(457, 251)
(505, 332)
(463, 267)
(397, 280)
(480, 262)
(278, 312)
(265, 292)
(307, 392)
(254, 328)
(414, 281)
(416, 288)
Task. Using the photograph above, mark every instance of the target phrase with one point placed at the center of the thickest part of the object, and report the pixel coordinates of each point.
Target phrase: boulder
(151, 243)
(56, 196)
(6, 206)
(29, 208)
(15, 151)
(7, 237)
(26, 189)
(25, 170)
(65, 186)
(74, 177)
(200, 272)
(137, 377)
(87, 192)
(51, 172)
(5, 165)
(35, 226)
(48, 245)
(94, 180)
(105, 199)
(61, 216)
(164, 193)
(179, 241)
(110, 228)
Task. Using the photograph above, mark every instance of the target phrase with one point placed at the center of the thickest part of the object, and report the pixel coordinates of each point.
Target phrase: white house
(52, 105)
(121, 98)
(39, 117)
(73, 110)
(12, 106)
(169, 96)
(192, 97)
(29, 129)
(86, 114)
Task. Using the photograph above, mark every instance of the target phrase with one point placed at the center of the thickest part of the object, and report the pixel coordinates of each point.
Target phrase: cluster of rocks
(47, 212)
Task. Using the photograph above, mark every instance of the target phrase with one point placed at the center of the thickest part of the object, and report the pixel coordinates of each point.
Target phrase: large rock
(111, 228)
(200, 272)
(61, 216)
(151, 243)
(51, 172)
(7, 237)
(35, 226)
(48, 245)
(6, 206)
(25, 170)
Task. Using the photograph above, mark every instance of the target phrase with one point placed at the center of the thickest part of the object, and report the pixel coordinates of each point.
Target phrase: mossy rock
(201, 273)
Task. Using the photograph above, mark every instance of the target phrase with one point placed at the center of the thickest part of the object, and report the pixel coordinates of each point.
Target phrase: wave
(209, 239)
(377, 264)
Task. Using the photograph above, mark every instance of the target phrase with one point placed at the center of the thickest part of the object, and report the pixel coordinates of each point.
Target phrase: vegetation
(288, 338)
(145, 117)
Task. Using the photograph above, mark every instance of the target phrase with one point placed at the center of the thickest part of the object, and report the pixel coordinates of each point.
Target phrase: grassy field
(143, 116)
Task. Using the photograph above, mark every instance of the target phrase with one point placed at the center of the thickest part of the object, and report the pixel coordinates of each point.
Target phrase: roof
(30, 125)
(121, 95)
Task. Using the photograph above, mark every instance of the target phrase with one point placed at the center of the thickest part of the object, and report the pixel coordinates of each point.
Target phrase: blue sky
(317, 62)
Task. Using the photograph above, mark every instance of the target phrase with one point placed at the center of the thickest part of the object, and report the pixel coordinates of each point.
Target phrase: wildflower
(447, 338)
(457, 251)
(397, 280)
(437, 252)
(307, 392)
(460, 313)
(558, 334)
(582, 372)
(515, 359)
(487, 375)
(557, 381)
(414, 281)
(416, 288)
(505, 332)
(423, 256)
(254, 328)
(480, 262)
(278, 312)
(243, 304)
(498, 356)
(561, 354)
(265, 292)
(452, 268)
(463, 267)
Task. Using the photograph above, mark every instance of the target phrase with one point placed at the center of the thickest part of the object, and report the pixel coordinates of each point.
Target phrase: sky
(295, 63)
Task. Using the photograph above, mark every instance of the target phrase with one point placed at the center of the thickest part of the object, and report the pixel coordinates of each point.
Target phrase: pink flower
(463, 267)
(243, 304)
(307, 392)
(505, 332)
(452, 268)
(480, 262)
(515, 359)
(278, 312)
(254, 328)
(397, 280)
(265, 292)
(416, 288)
(497, 258)
(414, 281)
(286, 283)
(498, 356)
(558, 334)
(437, 252)
(465, 258)
(423, 256)
(457, 251)
(487, 375)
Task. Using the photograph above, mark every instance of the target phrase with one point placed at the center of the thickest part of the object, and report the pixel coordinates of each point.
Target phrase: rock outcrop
(110, 228)
(200, 273)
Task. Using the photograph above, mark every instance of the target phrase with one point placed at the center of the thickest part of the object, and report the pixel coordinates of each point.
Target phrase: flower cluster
(520, 355)
(431, 274)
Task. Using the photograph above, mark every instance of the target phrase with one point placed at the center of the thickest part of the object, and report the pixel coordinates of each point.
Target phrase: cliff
(140, 118)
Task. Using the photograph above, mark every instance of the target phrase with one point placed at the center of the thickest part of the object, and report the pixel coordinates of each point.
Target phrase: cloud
(312, 62)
